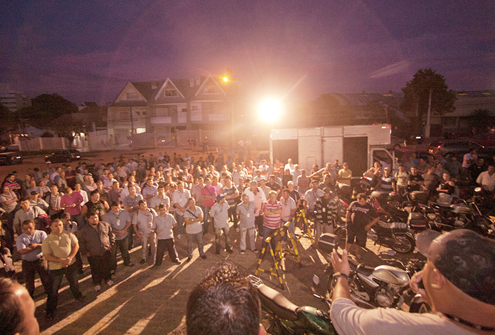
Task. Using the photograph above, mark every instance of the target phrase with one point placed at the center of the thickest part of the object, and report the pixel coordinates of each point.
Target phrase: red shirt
(208, 191)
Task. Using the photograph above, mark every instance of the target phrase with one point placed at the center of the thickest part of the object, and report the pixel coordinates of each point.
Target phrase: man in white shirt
(220, 214)
(180, 197)
(193, 217)
(163, 226)
(486, 179)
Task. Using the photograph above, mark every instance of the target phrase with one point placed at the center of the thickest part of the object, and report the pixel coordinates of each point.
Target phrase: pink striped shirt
(272, 221)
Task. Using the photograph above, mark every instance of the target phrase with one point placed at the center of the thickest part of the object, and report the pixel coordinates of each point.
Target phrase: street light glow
(270, 110)
(225, 79)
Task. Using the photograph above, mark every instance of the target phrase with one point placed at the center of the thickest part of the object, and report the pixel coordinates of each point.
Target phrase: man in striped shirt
(273, 215)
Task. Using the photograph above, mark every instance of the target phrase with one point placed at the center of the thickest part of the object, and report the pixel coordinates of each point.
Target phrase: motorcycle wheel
(403, 244)
(421, 307)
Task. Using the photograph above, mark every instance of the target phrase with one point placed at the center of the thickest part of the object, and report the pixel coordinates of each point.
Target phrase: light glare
(270, 110)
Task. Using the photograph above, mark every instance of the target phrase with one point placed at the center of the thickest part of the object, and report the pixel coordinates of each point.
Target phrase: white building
(13, 100)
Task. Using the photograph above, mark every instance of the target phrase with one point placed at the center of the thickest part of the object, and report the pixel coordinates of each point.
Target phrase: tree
(48, 107)
(417, 94)
(481, 120)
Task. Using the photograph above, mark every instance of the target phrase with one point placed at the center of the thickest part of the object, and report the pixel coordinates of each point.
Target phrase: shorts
(359, 234)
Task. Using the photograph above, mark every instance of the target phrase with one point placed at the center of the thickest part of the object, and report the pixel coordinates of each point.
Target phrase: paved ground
(148, 301)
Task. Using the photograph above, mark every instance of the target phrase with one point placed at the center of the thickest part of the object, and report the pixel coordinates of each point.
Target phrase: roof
(146, 87)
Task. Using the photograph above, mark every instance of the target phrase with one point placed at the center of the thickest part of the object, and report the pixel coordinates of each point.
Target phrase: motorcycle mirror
(391, 252)
(316, 280)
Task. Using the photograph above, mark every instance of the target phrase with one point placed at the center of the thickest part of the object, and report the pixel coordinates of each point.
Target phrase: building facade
(163, 108)
(13, 100)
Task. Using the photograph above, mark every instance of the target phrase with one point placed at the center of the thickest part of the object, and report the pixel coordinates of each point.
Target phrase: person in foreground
(224, 303)
(459, 285)
(16, 310)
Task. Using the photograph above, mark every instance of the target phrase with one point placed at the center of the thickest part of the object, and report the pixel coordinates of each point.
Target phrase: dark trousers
(206, 217)
(123, 246)
(267, 232)
(79, 262)
(258, 222)
(100, 267)
(130, 237)
(56, 277)
(160, 250)
(29, 270)
(233, 215)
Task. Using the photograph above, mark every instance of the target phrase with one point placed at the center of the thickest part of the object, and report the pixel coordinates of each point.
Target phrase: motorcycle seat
(277, 303)
(364, 269)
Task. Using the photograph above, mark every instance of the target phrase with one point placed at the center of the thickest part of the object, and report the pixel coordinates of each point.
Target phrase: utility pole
(132, 127)
(428, 125)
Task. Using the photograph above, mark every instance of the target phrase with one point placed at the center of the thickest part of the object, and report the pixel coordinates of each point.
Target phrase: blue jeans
(199, 239)
(56, 277)
(218, 232)
(206, 216)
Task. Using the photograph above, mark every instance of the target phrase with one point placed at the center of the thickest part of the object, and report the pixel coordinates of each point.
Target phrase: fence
(43, 143)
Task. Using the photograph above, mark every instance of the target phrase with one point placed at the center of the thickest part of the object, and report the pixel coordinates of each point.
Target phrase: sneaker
(142, 261)
(203, 256)
(255, 250)
(81, 298)
(229, 251)
(188, 259)
(176, 261)
(97, 288)
(109, 282)
(242, 252)
(179, 236)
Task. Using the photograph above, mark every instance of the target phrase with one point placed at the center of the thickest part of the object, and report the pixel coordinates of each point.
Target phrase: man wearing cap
(220, 214)
(36, 200)
(458, 281)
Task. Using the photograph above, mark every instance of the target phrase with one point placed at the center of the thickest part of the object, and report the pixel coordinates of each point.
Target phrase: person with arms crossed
(60, 249)
(29, 246)
(246, 211)
(120, 221)
(193, 217)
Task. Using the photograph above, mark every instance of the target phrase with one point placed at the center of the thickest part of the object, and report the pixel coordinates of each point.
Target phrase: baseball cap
(220, 197)
(465, 258)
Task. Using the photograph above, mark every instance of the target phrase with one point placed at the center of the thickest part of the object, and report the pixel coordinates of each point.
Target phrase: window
(194, 108)
(184, 110)
(211, 90)
(162, 112)
(171, 93)
(143, 113)
(132, 96)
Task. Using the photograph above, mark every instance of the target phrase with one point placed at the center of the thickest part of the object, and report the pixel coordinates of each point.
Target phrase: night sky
(88, 50)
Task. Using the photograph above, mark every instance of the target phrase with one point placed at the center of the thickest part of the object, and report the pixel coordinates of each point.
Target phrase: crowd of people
(58, 214)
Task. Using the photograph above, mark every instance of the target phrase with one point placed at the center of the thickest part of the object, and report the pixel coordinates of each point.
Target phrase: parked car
(486, 140)
(460, 147)
(10, 158)
(63, 156)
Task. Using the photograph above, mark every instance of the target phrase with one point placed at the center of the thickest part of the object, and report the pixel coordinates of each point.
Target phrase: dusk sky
(88, 50)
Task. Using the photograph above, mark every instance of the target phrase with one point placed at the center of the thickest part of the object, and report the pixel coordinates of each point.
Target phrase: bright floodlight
(270, 110)
(225, 79)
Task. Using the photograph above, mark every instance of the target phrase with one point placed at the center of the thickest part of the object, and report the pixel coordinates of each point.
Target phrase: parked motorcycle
(394, 235)
(288, 318)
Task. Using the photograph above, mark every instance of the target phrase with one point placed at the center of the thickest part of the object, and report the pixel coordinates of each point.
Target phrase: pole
(132, 127)
(428, 126)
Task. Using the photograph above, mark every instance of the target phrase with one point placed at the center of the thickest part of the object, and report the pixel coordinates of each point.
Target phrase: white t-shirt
(195, 227)
(163, 226)
(347, 318)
